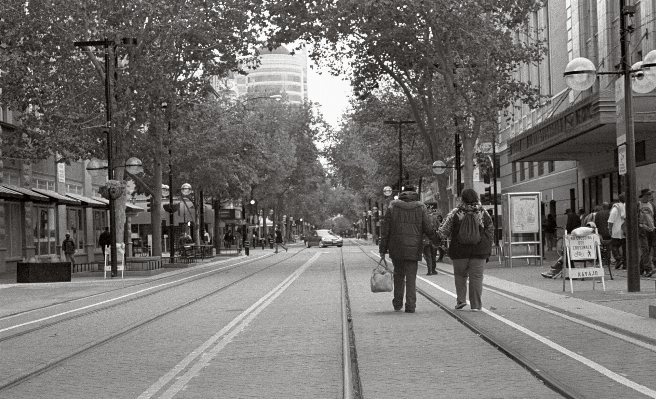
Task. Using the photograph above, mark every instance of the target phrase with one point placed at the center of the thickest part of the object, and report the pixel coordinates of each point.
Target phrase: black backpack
(469, 232)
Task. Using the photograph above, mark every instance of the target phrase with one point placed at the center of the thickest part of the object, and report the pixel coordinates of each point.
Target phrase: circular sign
(387, 191)
(438, 167)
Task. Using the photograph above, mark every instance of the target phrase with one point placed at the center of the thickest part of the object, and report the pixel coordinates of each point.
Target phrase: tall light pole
(399, 123)
(110, 140)
(580, 74)
(171, 240)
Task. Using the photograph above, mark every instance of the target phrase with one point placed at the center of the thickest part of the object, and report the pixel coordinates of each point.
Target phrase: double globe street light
(580, 74)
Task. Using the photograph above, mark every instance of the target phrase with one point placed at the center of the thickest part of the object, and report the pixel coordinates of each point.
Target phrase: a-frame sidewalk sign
(583, 248)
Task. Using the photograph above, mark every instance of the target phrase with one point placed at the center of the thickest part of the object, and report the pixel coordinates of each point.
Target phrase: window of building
(44, 230)
(531, 170)
(522, 171)
(552, 166)
(74, 189)
(540, 168)
(14, 230)
(45, 184)
(514, 172)
(75, 226)
(11, 178)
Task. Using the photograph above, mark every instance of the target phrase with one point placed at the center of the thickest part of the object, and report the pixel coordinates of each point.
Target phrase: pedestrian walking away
(68, 246)
(405, 224)
(430, 248)
(104, 240)
(279, 239)
(470, 229)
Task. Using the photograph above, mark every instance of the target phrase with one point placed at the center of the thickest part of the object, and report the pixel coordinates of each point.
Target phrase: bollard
(246, 249)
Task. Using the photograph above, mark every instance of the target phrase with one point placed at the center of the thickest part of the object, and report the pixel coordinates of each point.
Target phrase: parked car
(323, 238)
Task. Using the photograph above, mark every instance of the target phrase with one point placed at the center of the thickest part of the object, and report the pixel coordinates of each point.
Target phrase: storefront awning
(56, 197)
(6, 193)
(86, 201)
(26, 193)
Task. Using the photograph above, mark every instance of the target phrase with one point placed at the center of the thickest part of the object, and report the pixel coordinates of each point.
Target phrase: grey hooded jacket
(404, 225)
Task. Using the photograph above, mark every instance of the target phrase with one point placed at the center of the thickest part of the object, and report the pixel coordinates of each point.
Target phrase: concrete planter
(43, 272)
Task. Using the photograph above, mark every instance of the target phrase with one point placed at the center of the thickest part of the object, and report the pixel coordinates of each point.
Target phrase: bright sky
(331, 92)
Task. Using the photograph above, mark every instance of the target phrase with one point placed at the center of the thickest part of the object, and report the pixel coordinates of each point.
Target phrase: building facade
(567, 148)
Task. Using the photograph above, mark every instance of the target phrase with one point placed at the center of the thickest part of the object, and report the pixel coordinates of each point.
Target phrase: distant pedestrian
(601, 221)
(441, 244)
(104, 240)
(68, 246)
(406, 222)
(430, 247)
(279, 240)
(471, 231)
(646, 230)
(228, 238)
(616, 225)
(550, 228)
(573, 221)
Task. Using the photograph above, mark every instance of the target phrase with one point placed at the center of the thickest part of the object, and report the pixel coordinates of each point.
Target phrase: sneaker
(460, 305)
(409, 310)
(651, 273)
(476, 309)
(550, 274)
(397, 308)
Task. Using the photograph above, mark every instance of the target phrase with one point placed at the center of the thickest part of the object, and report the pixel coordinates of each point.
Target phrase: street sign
(621, 159)
(439, 167)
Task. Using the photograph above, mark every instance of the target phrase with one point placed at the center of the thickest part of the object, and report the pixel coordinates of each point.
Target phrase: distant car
(323, 238)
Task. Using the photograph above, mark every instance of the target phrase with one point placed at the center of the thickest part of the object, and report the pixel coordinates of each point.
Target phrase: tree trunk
(468, 163)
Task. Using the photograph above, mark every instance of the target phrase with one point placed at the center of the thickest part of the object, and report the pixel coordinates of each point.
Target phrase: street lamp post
(580, 74)
(110, 140)
(171, 240)
(399, 123)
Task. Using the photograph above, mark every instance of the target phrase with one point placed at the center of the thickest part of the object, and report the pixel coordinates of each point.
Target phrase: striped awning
(86, 201)
(10, 194)
(61, 199)
(27, 194)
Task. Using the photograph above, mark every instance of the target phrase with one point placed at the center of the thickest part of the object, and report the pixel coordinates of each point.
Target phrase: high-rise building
(279, 72)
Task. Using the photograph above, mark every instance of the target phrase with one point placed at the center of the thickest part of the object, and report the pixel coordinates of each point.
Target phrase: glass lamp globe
(580, 74)
(639, 81)
(185, 189)
(649, 65)
(134, 165)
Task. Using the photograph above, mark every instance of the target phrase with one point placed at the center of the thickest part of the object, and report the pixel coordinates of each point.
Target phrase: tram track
(43, 368)
(534, 370)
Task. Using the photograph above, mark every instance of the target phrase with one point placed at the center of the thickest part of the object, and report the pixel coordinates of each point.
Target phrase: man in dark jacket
(573, 221)
(405, 224)
(104, 240)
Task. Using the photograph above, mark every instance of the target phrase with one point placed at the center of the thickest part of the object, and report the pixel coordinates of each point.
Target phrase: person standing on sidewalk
(646, 230)
(616, 221)
(470, 229)
(104, 240)
(279, 239)
(68, 246)
(406, 222)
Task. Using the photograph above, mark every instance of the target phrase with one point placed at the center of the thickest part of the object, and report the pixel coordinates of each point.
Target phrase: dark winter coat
(451, 226)
(404, 226)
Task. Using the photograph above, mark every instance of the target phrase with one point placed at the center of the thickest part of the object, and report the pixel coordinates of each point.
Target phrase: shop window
(44, 230)
(75, 226)
(14, 230)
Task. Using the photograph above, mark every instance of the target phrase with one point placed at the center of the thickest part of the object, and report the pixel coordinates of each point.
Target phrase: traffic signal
(487, 197)
(150, 205)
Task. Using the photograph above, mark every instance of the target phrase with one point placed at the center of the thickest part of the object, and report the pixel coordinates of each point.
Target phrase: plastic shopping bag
(382, 279)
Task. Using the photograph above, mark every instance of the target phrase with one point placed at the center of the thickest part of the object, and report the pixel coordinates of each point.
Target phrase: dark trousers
(618, 248)
(405, 279)
(430, 254)
(646, 238)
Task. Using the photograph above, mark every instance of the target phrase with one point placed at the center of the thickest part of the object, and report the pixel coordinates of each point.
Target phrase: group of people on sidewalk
(406, 226)
(610, 223)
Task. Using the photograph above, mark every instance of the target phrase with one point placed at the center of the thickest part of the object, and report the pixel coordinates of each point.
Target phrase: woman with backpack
(470, 229)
